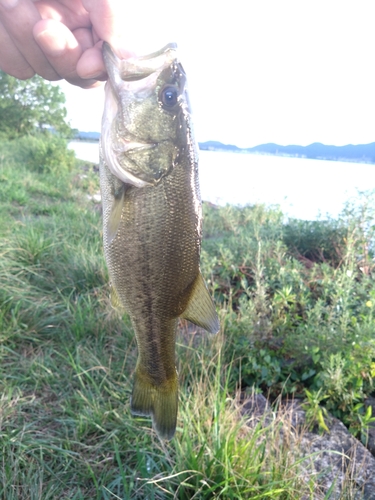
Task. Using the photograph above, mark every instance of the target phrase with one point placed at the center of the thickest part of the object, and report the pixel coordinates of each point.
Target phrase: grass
(67, 358)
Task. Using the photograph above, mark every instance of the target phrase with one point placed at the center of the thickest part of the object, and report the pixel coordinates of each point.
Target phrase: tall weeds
(290, 321)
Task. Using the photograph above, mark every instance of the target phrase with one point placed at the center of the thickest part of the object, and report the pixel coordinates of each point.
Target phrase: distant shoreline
(360, 153)
(285, 155)
(77, 139)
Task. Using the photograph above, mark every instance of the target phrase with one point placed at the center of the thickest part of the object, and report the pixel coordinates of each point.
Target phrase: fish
(152, 219)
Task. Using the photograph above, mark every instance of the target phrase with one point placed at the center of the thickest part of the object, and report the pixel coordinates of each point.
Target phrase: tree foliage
(31, 106)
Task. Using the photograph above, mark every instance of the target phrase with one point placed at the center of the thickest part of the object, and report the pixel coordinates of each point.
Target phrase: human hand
(58, 39)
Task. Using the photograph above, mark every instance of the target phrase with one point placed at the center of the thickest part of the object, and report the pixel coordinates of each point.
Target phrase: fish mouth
(137, 68)
(125, 153)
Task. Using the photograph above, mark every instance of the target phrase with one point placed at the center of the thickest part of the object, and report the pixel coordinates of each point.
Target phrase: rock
(255, 407)
(341, 465)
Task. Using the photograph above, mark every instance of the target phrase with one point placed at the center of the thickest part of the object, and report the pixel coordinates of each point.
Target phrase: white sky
(284, 71)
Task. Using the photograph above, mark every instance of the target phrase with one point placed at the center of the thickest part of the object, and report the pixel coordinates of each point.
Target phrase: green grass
(67, 358)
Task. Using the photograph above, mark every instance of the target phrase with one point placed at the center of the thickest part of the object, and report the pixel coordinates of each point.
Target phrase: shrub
(42, 153)
(299, 301)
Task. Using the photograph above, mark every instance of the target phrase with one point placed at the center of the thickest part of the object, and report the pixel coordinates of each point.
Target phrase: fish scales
(152, 220)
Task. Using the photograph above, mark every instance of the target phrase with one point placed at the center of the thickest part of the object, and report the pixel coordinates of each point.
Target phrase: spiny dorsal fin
(201, 309)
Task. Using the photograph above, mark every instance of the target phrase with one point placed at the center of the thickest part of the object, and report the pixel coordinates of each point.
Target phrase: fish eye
(169, 96)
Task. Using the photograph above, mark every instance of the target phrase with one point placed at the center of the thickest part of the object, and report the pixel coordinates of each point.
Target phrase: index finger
(107, 18)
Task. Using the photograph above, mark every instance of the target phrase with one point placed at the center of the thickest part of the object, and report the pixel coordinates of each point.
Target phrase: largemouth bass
(152, 219)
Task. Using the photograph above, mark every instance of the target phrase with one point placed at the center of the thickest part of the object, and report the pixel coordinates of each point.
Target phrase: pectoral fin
(115, 300)
(115, 215)
(201, 309)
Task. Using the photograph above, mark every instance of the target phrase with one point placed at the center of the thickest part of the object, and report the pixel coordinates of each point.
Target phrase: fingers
(60, 38)
(91, 64)
(63, 49)
(12, 61)
(20, 37)
(107, 18)
(104, 16)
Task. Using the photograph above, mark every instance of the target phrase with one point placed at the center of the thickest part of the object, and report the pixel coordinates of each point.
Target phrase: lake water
(305, 189)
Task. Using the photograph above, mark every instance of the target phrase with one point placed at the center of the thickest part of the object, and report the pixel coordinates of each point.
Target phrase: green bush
(42, 153)
(316, 241)
(299, 299)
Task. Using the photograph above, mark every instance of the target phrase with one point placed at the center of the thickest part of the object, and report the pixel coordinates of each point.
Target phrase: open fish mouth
(116, 148)
(139, 68)
(130, 158)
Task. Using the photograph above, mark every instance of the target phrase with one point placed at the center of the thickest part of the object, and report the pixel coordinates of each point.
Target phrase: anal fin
(201, 309)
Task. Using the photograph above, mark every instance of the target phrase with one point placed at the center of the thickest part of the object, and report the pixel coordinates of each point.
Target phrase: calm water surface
(303, 188)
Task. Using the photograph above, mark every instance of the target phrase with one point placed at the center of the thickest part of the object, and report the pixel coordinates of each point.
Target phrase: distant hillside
(219, 146)
(87, 136)
(364, 153)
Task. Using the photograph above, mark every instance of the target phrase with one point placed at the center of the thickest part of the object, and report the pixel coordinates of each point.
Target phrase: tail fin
(159, 401)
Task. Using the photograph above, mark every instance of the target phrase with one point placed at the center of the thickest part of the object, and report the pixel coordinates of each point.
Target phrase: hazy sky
(284, 71)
